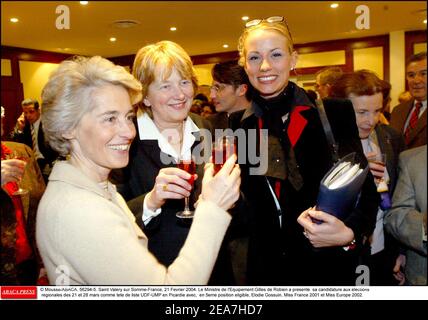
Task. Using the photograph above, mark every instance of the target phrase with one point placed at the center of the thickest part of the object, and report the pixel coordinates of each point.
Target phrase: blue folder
(341, 201)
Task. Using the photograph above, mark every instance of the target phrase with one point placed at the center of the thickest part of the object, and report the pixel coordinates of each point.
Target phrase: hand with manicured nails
(170, 183)
(331, 233)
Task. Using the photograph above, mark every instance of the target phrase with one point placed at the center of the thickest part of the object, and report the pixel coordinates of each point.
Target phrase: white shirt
(147, 130)
(378, 240)
(36, 126)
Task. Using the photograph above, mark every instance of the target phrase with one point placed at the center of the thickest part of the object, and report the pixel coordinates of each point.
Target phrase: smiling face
(367, 112)
(416, 74)
(170, 99)
(101, 140)
(268, 61)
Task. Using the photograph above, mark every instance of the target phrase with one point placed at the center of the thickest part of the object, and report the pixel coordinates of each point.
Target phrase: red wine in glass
(189, 166)
(17, 155)
(222, 150)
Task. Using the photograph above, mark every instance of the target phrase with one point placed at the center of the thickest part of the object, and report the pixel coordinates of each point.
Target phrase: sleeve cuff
(148, 214)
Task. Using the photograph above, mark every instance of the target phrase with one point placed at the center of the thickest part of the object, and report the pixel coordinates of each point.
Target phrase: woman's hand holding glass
(222, 188)
(12, 170)
(170, 183)
(377, 166)
(331, 233)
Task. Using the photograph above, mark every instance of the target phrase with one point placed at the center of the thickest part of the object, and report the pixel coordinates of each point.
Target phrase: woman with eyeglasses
(286, 246)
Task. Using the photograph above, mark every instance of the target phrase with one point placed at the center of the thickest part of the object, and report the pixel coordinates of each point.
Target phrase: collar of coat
(296, 124)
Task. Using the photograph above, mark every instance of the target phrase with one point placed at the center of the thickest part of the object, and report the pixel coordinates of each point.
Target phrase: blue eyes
(169, 86)
(273, 55)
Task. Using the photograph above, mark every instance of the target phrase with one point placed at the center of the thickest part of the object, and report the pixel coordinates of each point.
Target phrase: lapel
(421, 124)
(404, 113)
(385, 146)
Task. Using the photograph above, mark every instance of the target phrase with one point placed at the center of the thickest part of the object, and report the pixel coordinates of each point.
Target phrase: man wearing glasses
(231, 92)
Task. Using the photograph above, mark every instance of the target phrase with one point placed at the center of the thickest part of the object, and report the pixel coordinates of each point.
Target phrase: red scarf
(23, 249)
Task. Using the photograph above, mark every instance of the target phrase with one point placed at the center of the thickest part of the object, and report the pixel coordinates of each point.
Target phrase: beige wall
(203, 73)
(419, 47)
(396, 65)
(370, 59)
(320, 59)
(34, 75)
(6, 68)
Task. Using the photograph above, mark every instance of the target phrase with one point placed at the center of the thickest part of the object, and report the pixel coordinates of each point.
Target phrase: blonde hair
(279, 27)
(166, 55)
(68, 95)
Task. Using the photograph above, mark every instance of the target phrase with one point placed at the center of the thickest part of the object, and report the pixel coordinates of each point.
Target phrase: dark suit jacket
(48, 153)
(282, 255)
(219, 120)
(166, 232)
(418, 136)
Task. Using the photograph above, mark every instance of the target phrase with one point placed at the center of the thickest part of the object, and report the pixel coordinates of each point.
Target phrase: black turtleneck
(275, 108)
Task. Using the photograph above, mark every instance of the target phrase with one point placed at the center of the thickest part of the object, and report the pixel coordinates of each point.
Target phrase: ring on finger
(165, 187)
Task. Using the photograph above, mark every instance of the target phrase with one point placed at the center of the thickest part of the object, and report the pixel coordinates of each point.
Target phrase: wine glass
(222, 150)
(380, 159)
(19, 156)
(189, 166)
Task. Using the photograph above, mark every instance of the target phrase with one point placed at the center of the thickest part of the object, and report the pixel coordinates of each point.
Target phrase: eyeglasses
(218, 87)
(274, 19)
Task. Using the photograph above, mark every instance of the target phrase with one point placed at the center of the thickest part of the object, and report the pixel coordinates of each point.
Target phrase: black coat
(48, 153)
(282, 255)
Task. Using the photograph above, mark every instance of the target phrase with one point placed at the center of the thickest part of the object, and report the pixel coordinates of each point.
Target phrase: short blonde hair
(167, 55)
(68, 95)
(279, 27)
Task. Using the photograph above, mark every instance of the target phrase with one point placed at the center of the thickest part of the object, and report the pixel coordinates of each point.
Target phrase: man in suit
(231, 92)
(407, 219)
(410, 118)
(29, 130)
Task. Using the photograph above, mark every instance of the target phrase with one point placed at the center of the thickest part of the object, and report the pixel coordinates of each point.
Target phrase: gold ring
(165, 187)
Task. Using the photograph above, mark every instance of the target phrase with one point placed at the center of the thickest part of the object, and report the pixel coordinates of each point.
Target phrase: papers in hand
(340, 187)
(344, 173)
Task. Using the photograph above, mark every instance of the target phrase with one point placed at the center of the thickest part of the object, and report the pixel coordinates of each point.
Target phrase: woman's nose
(265, 65)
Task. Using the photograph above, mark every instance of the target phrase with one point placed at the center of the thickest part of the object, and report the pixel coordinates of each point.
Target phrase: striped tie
(413, 121)
(33, 137)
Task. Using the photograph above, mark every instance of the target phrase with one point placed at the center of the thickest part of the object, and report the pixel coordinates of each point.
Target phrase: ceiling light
(125, 24)
(14, 20)
(112, 39)
(173, 28)
(225, 46)
(425, 21)
(334, 5)
(84, 3)
(245, 18)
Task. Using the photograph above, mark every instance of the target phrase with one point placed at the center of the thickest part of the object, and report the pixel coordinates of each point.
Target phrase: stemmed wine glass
(222, 150)
(19, 156)
(189, 166)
